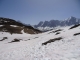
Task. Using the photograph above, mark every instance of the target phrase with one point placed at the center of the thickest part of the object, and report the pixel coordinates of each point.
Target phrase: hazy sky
(33, 11)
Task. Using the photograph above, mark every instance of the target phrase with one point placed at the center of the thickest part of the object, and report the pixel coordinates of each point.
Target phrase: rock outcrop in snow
(12, 26)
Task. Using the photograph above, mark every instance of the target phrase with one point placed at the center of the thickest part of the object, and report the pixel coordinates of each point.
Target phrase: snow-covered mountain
(12, 26)
(59, 44)
(47, 25)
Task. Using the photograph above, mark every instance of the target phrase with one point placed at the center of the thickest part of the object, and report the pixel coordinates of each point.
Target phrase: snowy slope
(30, 46)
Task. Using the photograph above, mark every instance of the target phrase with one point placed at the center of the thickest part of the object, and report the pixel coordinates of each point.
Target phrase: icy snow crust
(31, 48)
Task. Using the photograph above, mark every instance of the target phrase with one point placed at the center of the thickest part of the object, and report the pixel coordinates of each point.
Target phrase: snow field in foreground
(68, 48)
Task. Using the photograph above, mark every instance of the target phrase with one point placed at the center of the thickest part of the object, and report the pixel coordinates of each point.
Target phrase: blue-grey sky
(33, 11)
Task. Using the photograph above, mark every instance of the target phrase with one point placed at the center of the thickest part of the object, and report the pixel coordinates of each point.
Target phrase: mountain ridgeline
(12, 26)
(55, 23)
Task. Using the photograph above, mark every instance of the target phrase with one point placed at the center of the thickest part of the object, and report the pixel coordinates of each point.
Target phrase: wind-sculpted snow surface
(30, 46)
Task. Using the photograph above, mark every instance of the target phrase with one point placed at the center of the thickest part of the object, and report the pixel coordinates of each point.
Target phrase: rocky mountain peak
(55, 23)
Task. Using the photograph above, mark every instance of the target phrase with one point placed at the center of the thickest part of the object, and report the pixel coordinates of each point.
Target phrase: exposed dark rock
(51, 40)
(57, 33)
(76, 34)
(57, 30)
(28, 39)
(15, 40)
(4, 38)
(75, 26)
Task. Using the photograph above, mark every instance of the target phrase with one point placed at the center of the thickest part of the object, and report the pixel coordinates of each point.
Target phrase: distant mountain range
(47, 25)
(12, 26)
